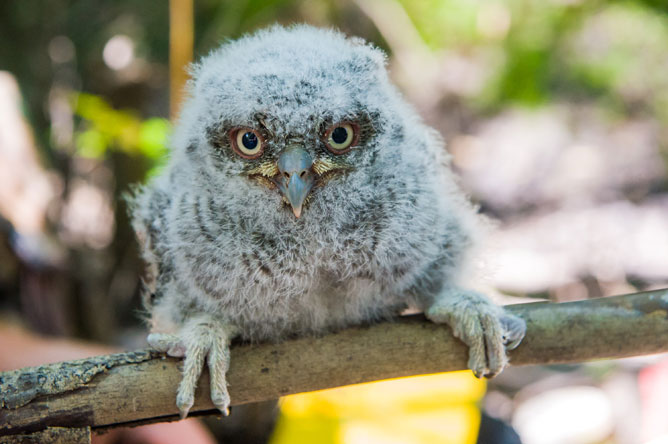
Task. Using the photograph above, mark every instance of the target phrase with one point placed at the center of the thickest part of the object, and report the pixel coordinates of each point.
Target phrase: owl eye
(340, 138)
(247, 142)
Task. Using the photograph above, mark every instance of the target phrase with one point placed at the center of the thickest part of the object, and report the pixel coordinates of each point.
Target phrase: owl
(303, 195)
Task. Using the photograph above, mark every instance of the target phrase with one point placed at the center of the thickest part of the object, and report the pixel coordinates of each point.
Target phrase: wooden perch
(139, 387)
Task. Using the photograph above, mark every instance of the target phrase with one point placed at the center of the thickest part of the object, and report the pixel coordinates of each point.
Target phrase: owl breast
(274, 275)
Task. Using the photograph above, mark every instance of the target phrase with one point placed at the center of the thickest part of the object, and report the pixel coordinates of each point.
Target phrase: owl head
(292, 116)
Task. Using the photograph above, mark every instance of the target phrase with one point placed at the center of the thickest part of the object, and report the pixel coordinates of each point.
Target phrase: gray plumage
(375, 228)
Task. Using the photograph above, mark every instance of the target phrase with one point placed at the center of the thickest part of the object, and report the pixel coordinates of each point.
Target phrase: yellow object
(181, 37)
(440, 408)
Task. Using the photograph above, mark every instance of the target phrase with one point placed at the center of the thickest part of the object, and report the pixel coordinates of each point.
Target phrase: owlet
(303, 195)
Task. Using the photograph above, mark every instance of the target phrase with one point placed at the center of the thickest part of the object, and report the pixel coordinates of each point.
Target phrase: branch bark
(140, 387)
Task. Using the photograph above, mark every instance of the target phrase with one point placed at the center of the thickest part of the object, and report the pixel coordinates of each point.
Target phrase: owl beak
(296, 178)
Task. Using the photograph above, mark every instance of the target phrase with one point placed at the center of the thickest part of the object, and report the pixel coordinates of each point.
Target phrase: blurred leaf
(153, 137)
(620, 51)
(444, 23)
(107, 129)
(91, 143)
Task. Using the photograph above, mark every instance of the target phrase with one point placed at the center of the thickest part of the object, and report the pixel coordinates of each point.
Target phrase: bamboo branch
(139, 387)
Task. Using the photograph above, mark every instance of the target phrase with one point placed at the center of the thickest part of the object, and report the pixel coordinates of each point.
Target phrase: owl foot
(200, 338)
(487, 329)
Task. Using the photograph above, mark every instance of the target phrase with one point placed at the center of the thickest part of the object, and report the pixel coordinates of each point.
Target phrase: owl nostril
(302, 174)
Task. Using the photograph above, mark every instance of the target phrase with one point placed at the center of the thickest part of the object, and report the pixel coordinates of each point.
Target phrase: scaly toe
(514, 329)
(160, 341)
(478, 365)
(222, 402)
(167, 343)
(184, 403)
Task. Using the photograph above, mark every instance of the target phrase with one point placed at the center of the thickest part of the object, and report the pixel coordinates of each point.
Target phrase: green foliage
(621, 51)
(105, 128)
(531, 53)
(553, 49)
(444, 23)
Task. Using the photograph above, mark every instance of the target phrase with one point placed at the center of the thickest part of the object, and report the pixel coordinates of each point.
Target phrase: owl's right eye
(247, 142)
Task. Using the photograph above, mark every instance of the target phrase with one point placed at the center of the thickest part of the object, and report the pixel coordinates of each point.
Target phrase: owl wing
(148, 208)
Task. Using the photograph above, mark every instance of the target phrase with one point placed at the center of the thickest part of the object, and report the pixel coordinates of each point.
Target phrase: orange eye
(340, 138)
(247, 142)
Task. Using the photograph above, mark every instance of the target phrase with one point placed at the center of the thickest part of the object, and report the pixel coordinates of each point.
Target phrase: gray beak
(296, 178)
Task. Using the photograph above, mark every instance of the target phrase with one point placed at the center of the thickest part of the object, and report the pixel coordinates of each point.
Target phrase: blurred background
(555, 113)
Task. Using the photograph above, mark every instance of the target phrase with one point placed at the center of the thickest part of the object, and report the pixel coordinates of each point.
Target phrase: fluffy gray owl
(303, 195)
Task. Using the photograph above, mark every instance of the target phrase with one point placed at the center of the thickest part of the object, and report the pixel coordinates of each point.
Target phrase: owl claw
(514, 330)
(166, 343)
(200, 339)
(486, 328)
(184, 407)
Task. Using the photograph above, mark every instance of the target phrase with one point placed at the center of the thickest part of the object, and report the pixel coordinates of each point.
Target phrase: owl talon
(487, 329)
(199, 340)
(514, 329)
(167, 343)
(184, 406)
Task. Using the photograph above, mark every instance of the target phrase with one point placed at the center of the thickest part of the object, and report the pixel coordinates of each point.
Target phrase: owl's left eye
(247, 142)
(340, 138)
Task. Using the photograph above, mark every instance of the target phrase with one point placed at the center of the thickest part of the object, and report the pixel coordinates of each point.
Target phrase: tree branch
(139, 387)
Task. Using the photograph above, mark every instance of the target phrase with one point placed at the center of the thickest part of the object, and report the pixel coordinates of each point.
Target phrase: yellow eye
(247, 142)
(341, 137)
